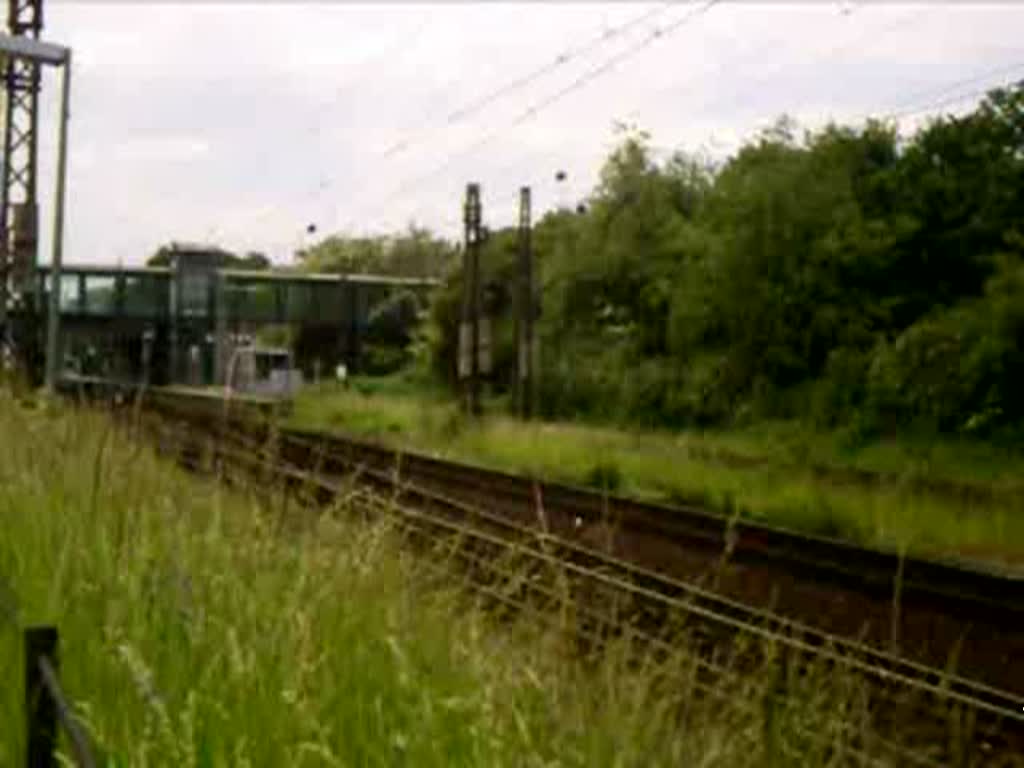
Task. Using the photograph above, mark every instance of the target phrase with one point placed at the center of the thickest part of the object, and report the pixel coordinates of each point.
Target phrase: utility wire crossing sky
(242, 124)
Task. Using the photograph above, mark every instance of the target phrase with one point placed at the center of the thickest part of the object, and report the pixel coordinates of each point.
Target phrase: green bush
(604, 475)
(847, 276)
(839, 395)
(919, 379)
(958, 370)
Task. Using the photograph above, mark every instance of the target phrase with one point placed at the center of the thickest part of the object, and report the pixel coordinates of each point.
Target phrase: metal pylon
(18, 204)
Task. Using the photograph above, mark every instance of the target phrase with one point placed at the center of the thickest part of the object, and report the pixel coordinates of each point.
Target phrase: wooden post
(40, 707)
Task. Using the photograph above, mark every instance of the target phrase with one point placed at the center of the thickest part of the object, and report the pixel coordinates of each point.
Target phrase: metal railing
(47, 706)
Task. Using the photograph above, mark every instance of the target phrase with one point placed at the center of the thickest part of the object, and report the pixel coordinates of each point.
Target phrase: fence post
(40, 708)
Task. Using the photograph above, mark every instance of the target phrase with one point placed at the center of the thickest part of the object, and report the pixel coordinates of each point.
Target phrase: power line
(583, 80)
(945, 99)
(931, 94)
(563, 58)
(821, 54)
(601, 69)
(941, 96)
(596, 72)
(610, 64)
(955, 99)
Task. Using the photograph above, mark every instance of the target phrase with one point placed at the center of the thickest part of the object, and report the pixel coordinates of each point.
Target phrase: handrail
(46, 705)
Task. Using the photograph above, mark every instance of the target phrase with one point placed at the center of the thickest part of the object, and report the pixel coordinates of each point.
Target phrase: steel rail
(718, 671)
(268, 450)
(886, 665)
(902, 593)
(689, 607)
(935, 573)
(972, 690)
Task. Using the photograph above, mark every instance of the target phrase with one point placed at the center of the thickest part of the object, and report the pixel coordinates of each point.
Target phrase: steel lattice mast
(18, 203)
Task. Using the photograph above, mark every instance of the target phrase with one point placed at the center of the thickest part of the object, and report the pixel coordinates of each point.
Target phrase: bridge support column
(221, 350)
(53, 362)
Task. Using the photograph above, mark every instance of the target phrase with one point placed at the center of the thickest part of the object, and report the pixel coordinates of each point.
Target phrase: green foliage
(954, 497)
(251, 260)
(276, 336)
(847, 276)
(381, 359)
(202, 627)
(413, 253)
(959, 369)
(604, 476)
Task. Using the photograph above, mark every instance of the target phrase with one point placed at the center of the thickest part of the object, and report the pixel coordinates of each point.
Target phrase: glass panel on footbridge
(252, 301)
(195, 295)
(329, 303)
(301, 303)
(145, 296)
(100, 294)
(70, 293)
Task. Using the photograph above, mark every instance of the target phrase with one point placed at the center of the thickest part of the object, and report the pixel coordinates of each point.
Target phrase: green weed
(780, 473)
(199, 631)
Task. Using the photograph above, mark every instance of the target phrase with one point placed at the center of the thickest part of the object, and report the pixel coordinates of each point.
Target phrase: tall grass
(205, 627)
(728, 472)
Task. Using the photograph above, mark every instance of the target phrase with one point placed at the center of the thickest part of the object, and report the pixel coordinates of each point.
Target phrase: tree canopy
(413, 253)
(251, 260)
(849, 275)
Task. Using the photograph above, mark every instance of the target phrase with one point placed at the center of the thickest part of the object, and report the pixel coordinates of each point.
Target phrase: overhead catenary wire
(946, 95)
(531, 112)
(822, 54)
(829, 53)
(909, 107)
(516, 84)
(826, 53)
(936, 98)
(942, 95)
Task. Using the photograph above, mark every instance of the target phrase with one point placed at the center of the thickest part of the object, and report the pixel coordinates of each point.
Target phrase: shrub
(958, 370)
(604, 475)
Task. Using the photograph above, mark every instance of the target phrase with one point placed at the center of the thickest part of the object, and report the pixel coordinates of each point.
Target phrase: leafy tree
(414, 253)
(846, 275)
(251, 260)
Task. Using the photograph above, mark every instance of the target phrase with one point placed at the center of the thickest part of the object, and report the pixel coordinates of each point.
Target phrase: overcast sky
(241, 124)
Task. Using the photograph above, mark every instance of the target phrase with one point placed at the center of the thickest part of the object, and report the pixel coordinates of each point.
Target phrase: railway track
(940, 614)
(639, 568)
(553, 526)
(515, 566)
(933, 612)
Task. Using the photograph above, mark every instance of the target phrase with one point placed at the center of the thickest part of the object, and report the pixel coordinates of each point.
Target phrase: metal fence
(47, 709)
(46, 705)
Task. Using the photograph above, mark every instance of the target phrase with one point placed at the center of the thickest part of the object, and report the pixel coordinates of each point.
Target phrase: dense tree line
(416, 252)
(413, 253)
(849, 276)
(252, 260)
